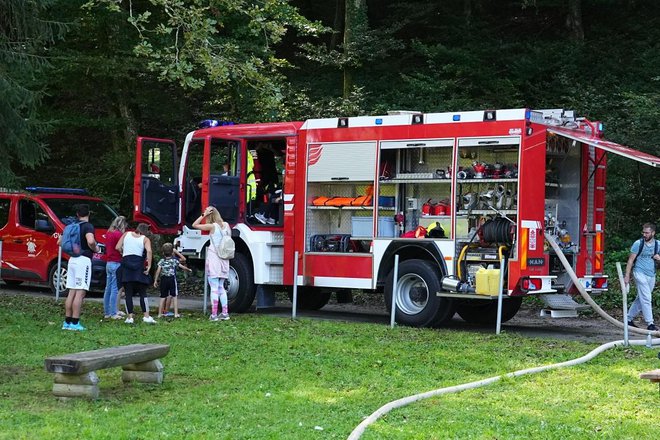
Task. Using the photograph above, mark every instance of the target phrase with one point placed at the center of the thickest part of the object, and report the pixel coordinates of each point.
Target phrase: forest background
(80, 79)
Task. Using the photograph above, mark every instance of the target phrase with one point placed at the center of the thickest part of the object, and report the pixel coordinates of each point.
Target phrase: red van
(31, 221)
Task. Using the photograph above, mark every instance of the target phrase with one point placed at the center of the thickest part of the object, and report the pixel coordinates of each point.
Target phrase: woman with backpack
(217, 268)
(135, 248)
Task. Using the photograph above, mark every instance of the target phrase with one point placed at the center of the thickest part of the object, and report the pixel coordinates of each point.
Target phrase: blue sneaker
(66, 326)
(169, 314)
(77, 327)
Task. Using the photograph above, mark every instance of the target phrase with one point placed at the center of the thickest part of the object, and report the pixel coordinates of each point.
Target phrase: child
(166, 274)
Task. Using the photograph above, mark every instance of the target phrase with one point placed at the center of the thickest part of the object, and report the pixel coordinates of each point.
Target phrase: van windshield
(100, 213)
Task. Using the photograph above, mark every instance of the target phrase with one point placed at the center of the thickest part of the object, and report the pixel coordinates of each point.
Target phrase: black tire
(417, 302)
(12, 283)
(52, 277)
(240, 284)
(310, 298)
(485, 312)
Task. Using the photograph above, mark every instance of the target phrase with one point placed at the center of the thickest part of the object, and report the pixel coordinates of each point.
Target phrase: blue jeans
(110, 295)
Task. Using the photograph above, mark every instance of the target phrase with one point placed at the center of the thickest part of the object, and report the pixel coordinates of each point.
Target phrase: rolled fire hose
(359, 430)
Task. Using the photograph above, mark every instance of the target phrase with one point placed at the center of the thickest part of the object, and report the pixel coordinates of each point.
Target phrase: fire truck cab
(464, 199)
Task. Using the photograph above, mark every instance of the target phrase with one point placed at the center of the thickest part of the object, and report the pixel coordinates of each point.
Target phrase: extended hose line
(359, 430)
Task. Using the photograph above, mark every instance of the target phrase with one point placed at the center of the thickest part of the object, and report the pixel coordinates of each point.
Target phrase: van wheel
(475, 312)
(416, 299)
(310, 298)
(240, 284)
(52, 277)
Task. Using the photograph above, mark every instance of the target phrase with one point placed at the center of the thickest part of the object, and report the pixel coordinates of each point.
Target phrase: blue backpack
(71, 239)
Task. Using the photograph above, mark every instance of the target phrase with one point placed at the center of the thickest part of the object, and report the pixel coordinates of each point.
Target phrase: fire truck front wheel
(417, 304)
(476, 312)
(240, 284)
(52, 277)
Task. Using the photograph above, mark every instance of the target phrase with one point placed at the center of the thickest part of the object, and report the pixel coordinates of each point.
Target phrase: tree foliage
(226, 47)
(23, 36)
(155, 67)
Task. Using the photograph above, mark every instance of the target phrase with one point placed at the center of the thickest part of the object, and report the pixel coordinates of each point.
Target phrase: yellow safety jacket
(251, 180)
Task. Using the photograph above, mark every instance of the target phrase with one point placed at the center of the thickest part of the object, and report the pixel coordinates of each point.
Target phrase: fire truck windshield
(101, 214)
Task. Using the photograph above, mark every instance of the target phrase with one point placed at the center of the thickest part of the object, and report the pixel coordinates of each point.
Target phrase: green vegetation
(156, 68)
(262, 377)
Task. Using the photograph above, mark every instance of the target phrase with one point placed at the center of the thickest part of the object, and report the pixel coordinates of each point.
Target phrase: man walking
(641, 261)
(79, 271)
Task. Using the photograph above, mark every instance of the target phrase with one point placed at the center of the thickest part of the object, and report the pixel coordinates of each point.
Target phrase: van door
(28, 245)
(156, 195)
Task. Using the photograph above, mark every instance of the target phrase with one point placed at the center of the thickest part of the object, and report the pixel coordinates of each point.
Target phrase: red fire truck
(463, 198)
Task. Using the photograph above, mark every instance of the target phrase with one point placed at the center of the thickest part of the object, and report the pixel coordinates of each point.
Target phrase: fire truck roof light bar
(49, 190)
(500, 115)
(208, 123)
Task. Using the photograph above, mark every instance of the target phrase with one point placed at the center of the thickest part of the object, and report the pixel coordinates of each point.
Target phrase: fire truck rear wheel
(52, 277)
(240, 284)
(475, 312)
(310, 298)
(417, 302)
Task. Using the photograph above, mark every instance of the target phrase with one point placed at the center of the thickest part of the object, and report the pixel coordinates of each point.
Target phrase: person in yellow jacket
(251, 180)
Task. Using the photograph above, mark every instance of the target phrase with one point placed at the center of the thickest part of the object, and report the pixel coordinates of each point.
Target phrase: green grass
(264, 377)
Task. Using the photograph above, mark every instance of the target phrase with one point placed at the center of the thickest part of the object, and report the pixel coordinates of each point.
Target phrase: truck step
(560, 305)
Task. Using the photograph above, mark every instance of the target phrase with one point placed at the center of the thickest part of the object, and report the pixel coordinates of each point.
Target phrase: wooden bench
(75, 373)
(653, 376)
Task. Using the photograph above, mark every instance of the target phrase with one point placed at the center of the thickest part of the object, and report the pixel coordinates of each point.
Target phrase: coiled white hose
(359, 430)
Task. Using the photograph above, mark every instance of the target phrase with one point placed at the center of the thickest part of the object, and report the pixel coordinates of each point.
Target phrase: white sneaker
(148, 320)
(270, 221)
(224, 316)
(129, 321)
(259, 216)
(213, 318)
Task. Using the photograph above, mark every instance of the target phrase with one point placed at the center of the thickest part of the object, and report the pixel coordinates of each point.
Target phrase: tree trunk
(467, 12)
(574, 20)
(355, 22)
(337, 24)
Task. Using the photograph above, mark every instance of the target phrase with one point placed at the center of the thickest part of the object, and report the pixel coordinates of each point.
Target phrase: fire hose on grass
(359, 430)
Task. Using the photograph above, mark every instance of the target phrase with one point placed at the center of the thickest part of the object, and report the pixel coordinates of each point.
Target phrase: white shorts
(79, 273)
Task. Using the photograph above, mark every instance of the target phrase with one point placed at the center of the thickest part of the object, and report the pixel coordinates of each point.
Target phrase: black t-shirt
(86, 228)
